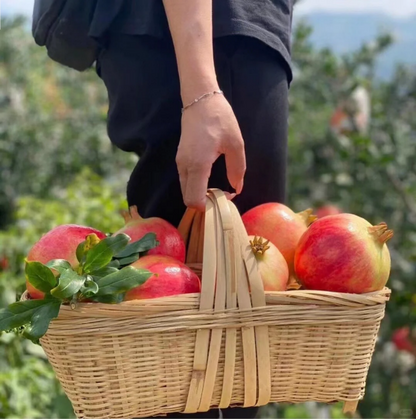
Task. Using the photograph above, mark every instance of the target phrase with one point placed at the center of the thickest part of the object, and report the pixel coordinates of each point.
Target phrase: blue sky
(401, 8)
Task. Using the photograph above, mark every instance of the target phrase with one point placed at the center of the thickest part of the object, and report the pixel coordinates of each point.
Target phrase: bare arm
(209, 128)
(190, 24)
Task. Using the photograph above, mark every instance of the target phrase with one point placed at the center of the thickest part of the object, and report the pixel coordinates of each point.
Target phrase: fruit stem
(73, 304)
(307, 216)
(259, 246)
(131, 215)
(381, 232)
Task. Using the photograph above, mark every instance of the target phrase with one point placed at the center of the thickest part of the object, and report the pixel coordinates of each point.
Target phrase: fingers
(230, 196)
(183, 176)
(194, 181)
(235, 160)
(196, 187)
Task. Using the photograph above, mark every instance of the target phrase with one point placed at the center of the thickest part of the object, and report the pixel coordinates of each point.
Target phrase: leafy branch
(101, 276)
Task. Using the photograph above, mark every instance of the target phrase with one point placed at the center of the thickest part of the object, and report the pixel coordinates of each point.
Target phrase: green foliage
(28, 387)
(122, 281)
(88, 200)
(40, 319)
(102, 254)
(146, 243)
(40, 276)
(68, 287)
(69, 284)
(52, 122)
(371, 174)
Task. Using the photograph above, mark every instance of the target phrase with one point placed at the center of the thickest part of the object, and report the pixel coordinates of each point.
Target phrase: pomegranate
(272, 265)
(171, 278)
(344, 253)
(328, 210)
(279, 224)
(4, 263)
(402, 339)
(170, 240)
(59, 243)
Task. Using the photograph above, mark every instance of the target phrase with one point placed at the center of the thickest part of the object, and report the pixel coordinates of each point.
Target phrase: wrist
(202, 97)
(197, 84)
(197, 77)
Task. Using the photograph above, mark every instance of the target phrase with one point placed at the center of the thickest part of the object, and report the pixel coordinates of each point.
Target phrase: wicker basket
(226, 347)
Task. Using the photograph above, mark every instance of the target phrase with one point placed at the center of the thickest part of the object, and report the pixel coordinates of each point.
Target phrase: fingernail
(240, 187)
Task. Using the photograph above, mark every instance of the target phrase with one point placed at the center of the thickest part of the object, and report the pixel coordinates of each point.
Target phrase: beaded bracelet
(215, 92)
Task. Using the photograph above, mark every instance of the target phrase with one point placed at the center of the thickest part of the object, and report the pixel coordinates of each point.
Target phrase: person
(199, 91)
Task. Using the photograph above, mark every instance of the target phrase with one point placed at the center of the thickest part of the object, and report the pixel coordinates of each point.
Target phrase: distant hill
(344, 32)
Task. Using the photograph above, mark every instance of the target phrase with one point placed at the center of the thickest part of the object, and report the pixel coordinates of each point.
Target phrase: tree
(372, 175)
(52, 122)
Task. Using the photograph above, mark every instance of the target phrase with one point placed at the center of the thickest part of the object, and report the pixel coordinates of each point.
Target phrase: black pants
(144, 117)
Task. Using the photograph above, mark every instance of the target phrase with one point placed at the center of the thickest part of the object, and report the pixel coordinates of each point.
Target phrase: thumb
(235, 161)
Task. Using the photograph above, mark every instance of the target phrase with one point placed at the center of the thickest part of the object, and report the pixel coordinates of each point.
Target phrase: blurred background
(352, 145)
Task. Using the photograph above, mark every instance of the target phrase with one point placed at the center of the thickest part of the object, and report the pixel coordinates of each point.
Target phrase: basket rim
(191, 302)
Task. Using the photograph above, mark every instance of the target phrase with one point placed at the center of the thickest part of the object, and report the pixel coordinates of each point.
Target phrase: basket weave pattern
(226, 347)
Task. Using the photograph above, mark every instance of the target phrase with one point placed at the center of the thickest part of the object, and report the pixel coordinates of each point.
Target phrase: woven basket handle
(230, 280)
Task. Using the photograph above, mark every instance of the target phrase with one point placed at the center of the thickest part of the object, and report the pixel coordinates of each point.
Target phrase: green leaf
(129, 260)
(27, 335)
(89, 288)
(101, 254)
(123, 280)
(60, 265)
(146, 243)
(104, 272)
(41, 319)
(40, 276)
(20, 313)
(114, 264)
(80, 252)
(109, 299)
(69, 284)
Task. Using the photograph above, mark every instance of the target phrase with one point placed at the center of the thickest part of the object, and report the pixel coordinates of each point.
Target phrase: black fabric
(63, 26)
(266, 20)
(144, 116)
(45, 13)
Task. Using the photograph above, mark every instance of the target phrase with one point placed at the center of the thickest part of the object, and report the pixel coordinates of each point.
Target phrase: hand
(209, 129)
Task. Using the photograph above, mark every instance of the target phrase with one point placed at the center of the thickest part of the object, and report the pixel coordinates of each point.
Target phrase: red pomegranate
(170, 240)
(272, 265)
(171, 278)
(279, 224)
(4, 263)
(344, 253)
(402, 339)
(328, 210)
(59, 243)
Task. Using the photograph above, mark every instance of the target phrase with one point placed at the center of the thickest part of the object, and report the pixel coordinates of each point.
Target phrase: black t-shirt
(267, 20)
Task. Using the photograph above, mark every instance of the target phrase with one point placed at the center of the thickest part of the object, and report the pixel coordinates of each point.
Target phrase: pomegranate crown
(131, 215)
(381, 232)
(259, 246)
(307, 216)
